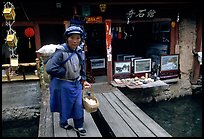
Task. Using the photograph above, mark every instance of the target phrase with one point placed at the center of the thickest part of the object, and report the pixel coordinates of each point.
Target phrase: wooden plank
(71, 133)
(49, 123)
(45, 123)
(116, 123)
(135, 124)
(90, 126)
(150, 123)
(41, 131)
(19, 78)
(60, 132)
(49, 130)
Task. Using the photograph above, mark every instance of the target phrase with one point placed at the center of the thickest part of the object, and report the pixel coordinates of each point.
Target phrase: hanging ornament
(14, 62)
(102, 7)
(29, 32)
(119, 32)
(9, 11)
(11, 38)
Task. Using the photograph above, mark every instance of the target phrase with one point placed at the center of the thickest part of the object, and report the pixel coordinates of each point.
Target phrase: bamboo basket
(89, 108)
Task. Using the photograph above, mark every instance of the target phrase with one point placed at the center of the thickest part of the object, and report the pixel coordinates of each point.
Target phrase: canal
(180, 117)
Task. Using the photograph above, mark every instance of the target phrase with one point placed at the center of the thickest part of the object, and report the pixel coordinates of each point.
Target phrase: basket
(89, 108)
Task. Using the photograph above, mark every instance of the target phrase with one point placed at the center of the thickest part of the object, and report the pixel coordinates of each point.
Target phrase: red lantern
(29, 32)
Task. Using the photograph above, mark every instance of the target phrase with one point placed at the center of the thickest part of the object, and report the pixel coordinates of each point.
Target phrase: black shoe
(81, 131)
(67, 127)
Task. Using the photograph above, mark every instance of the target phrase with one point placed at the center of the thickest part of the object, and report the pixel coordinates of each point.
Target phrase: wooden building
(144, 29)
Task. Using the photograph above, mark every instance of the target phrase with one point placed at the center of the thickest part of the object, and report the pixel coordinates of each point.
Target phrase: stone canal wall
(20, 100)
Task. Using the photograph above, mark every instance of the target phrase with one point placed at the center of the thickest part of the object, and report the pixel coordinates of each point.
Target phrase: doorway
(96, 54)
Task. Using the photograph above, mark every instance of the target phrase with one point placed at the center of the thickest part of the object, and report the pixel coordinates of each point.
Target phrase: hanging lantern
(14, 62)
(29, 32)
(9, 12)
(11, 38)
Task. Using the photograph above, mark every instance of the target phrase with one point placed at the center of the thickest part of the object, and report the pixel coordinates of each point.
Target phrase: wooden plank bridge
(118, 112)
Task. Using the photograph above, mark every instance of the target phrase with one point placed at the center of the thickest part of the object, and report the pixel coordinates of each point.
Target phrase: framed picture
(169, 62)
(128, 57)
(133, 58)
(122, 67)
(97, 63)
(120, 57)
(142, 65)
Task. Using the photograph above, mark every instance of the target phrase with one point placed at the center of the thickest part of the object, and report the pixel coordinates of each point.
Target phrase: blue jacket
(72, 69)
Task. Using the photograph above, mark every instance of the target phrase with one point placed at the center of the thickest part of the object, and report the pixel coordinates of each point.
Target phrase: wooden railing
(7, 68)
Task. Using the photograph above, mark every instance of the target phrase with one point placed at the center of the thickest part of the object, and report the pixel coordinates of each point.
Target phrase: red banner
(108, 33)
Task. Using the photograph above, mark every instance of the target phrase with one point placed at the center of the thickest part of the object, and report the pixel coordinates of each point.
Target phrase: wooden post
(196, 64)
(38, 66)
(8, 74)
(37, 38)
(174, 38)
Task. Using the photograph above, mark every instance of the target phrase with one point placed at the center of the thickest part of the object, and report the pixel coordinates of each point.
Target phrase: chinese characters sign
(142, 13)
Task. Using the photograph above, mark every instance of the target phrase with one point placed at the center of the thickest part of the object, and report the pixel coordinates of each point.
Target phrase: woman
(67, 70)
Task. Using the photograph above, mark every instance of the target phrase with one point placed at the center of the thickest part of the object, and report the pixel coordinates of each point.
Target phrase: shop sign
(94, 19)
(141, 13)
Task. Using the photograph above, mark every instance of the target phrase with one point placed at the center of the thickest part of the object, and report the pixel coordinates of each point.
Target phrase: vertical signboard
(109, 49)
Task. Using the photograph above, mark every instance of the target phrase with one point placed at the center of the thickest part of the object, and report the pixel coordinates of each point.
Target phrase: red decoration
(29, 32)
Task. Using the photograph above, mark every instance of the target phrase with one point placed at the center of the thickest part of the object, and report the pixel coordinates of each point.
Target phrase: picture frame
(142, 65)
(128, 57)
(97, 63)
(122, 67)
(169, 62)
(133, 58)
(120, 57)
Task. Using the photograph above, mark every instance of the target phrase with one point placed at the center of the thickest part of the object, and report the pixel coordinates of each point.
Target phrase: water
(20, 128)
(180, 117)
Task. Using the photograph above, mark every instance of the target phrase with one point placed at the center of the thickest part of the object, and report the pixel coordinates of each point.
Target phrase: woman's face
(74, 40)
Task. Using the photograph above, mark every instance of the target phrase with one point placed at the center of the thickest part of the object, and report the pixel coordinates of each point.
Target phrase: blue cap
(73, 30)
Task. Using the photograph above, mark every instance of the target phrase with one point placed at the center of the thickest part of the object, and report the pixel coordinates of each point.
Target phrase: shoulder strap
(69, 57)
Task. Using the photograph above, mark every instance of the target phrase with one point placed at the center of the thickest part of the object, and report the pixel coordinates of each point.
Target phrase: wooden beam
(198, 48)
(173, 37)
(134, 3)
(37, 38)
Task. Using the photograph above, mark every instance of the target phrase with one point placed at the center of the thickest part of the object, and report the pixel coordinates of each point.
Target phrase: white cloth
(48, 49)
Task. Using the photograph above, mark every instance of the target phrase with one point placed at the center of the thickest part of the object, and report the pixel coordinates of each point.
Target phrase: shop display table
(131, 83)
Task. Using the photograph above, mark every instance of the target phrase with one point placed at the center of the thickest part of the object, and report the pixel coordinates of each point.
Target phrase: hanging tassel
(29, 43)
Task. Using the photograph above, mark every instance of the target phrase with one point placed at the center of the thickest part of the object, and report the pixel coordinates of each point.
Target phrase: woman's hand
(86, 85)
